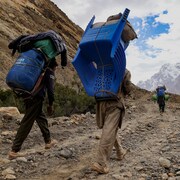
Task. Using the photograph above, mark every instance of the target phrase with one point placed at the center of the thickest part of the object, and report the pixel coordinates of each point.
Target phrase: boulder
(9, 111)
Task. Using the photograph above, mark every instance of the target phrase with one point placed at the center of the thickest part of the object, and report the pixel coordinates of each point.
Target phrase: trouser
(161, 103)
(161, 107)
(109, 137)
(33, 113)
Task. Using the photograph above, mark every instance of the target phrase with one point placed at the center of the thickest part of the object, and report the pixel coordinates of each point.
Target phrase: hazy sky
(156, 23)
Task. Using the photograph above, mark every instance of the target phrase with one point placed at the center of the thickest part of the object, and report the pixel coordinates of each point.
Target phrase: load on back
(160, 92)
(100, 60)
(35, 53)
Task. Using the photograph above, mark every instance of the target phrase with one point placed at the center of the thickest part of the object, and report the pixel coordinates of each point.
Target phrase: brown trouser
(33, 113)
(111, 115)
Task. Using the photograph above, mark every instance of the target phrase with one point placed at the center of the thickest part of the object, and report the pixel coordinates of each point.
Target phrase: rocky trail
(153, 141)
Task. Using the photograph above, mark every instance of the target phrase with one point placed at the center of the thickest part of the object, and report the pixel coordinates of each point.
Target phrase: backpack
(128, 31)
(160, 92)
(26, 75)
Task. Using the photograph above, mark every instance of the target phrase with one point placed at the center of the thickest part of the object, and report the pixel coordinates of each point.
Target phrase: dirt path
(148, 135)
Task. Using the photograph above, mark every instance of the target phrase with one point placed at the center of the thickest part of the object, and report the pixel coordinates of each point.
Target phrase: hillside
(28, 17)
(152, 140)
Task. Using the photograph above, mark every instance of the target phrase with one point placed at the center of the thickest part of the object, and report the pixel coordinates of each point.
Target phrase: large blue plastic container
(100, 60)
(26, 70)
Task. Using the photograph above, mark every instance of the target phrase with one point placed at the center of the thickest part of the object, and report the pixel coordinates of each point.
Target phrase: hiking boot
(99, 168)
(121, 154)
(51, 144)
(13, 155)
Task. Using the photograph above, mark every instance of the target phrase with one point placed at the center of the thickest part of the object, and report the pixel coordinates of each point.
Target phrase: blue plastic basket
(100, 60)
(26, 70)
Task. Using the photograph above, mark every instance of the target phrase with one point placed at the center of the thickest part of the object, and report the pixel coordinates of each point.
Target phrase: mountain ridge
(168, 75)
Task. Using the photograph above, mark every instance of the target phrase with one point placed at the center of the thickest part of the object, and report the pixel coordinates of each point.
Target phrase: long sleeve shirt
(102, 107)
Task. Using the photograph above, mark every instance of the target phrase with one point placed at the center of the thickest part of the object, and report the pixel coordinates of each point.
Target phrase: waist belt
(112, 96)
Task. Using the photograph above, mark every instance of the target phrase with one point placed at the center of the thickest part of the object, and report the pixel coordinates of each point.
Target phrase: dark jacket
(25, 42)
(48, 81)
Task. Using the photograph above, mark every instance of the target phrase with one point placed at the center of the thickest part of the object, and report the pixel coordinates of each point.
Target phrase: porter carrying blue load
(161, 98)
(100, 60)
(36, 52)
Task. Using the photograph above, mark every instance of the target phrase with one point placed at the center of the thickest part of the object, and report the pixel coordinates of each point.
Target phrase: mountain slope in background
(19, 17)
(168, 75)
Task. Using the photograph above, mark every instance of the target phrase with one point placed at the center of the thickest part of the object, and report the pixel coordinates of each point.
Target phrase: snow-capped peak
(168, 75)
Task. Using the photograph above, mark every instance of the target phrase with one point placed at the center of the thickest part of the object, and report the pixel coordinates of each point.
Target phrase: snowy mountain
(168, 75)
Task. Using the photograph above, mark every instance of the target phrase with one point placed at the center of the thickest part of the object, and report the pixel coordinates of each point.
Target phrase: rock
(11, 111)
(62, 118)
(4, 161)
(139, 168)
(117, 176)
(8, 141)
(88, 114)
(172, 178)
(127, 174)
(8, 171)
(66, 153)
(83, 115)
(22, 159)
(6, 133)
(123, 176)
(164, 176)
(170, 174)
(164, 162)
(134, 107)
(10, 176)
(144, 175)
(11, 15)
(166, 148)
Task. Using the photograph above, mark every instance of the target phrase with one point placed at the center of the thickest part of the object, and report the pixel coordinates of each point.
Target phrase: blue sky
(156, 23)
(148, 28)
